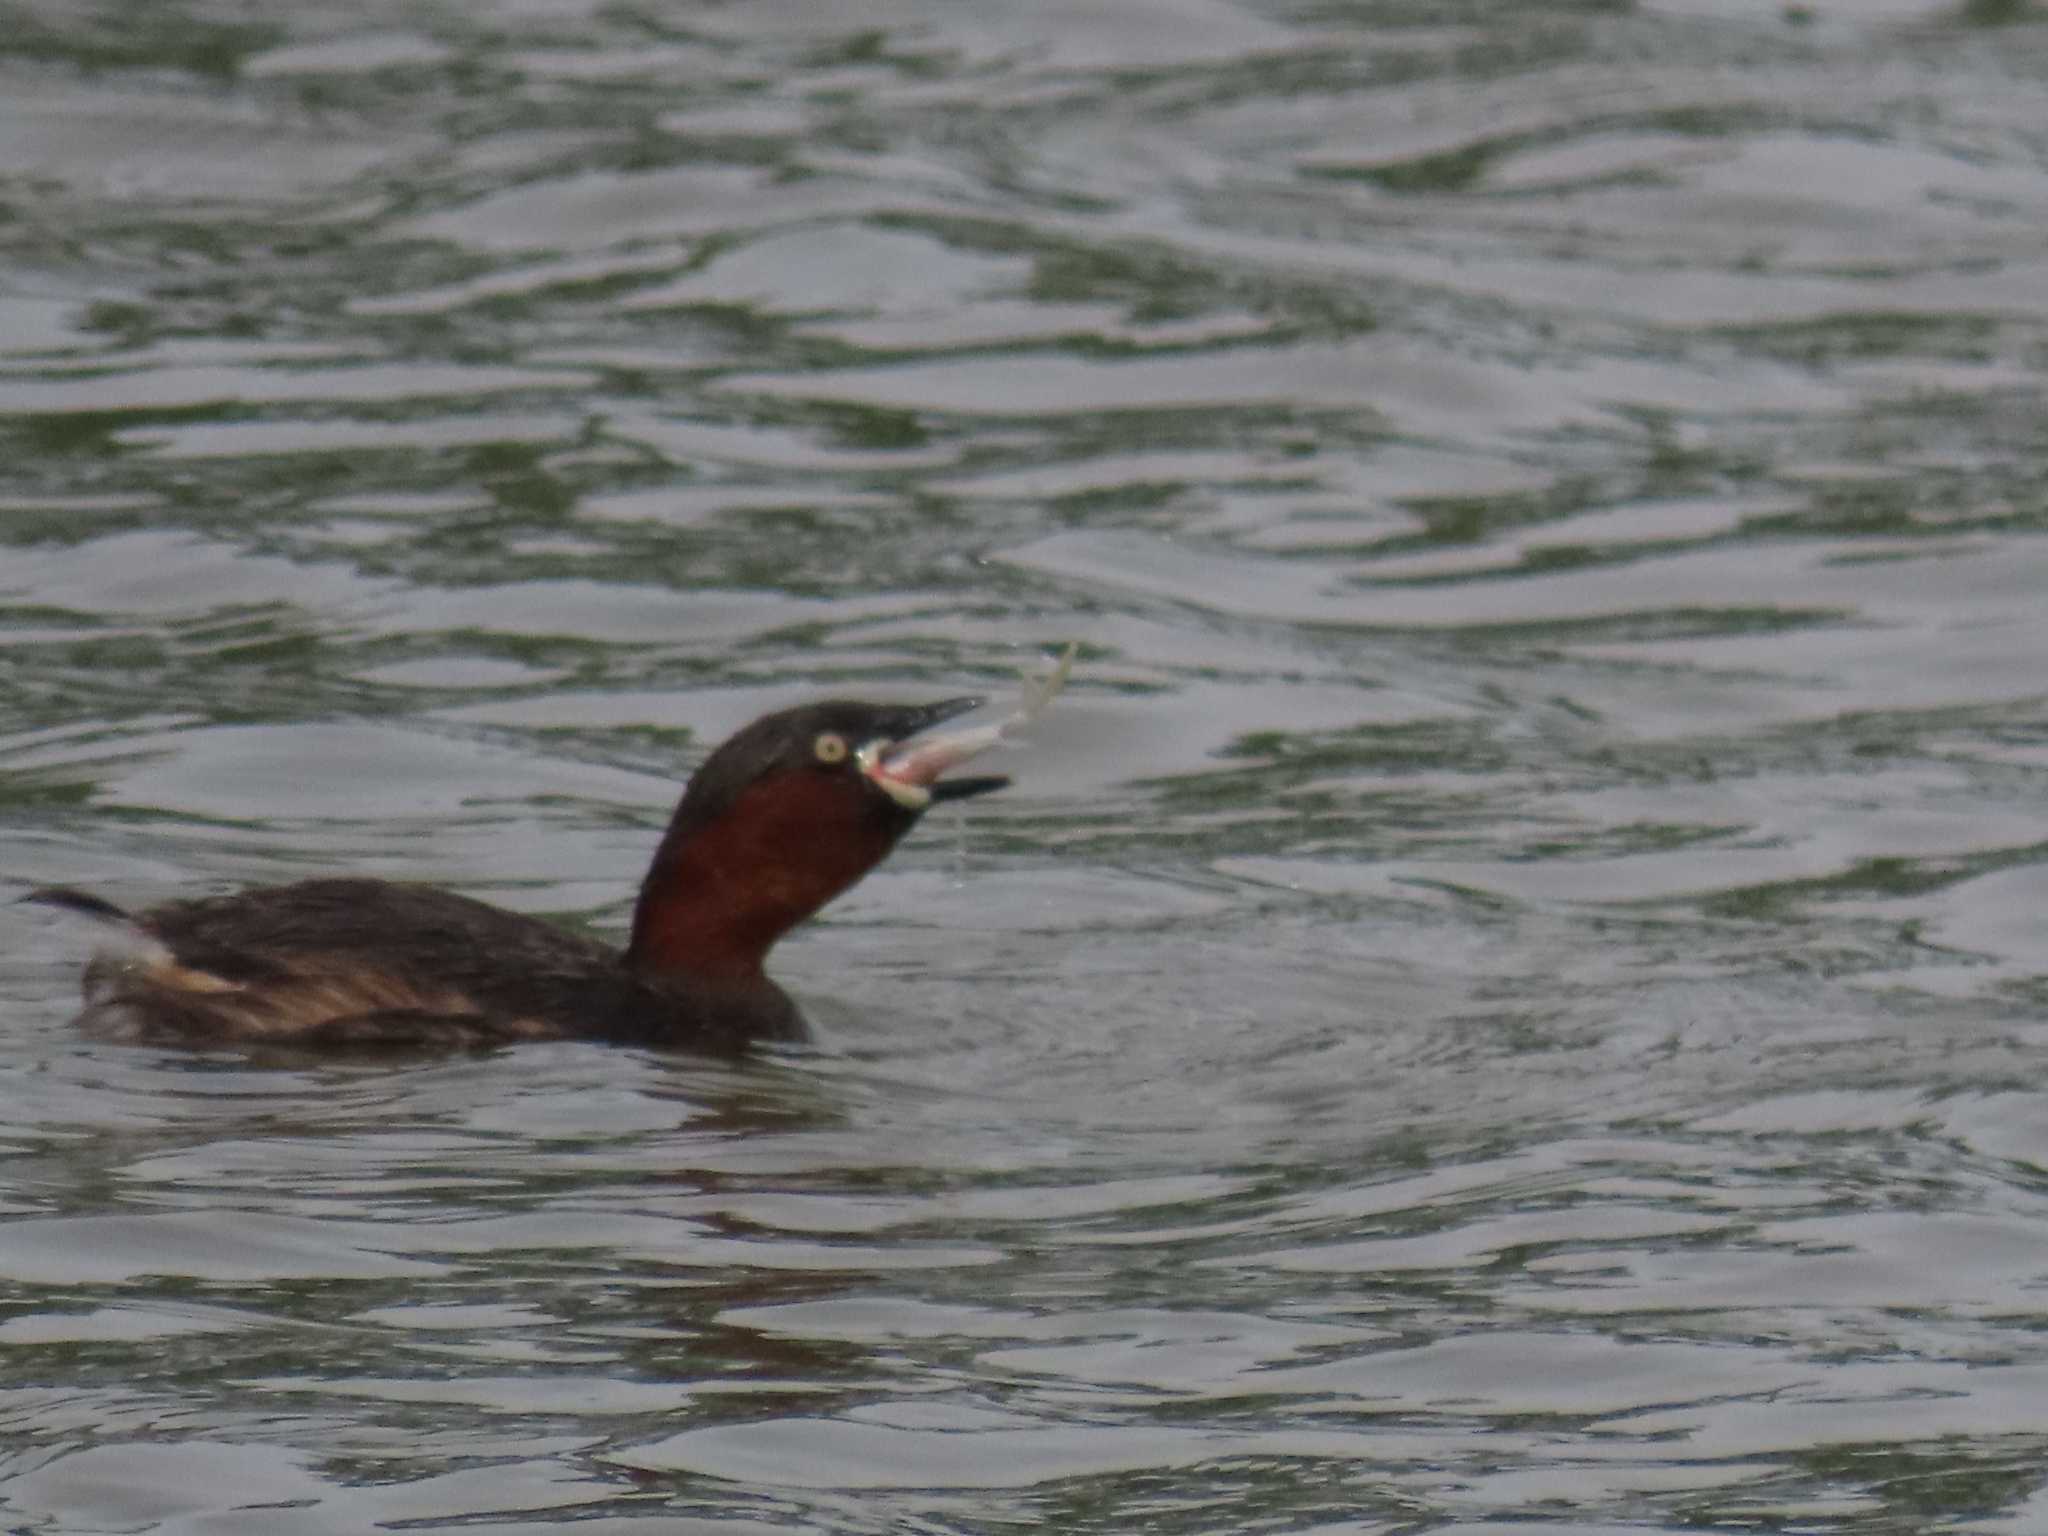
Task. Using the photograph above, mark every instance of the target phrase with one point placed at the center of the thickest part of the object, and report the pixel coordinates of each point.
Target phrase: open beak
(908, 720)
(961, 789)
(907, 770)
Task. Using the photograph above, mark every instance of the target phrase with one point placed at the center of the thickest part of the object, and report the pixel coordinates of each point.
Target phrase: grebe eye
(830, 747)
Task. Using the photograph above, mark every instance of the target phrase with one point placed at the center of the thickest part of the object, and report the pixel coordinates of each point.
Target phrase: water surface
(1508, 995)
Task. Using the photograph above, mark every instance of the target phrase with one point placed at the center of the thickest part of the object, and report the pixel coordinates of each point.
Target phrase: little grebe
(779, 820)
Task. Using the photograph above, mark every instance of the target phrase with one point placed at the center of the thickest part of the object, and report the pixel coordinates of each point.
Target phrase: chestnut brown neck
(719, 894)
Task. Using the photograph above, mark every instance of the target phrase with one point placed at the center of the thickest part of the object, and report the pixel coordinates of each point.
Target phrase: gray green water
(1508, 997)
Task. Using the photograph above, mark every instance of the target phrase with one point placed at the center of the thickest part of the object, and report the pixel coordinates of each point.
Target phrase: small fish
(910, 767)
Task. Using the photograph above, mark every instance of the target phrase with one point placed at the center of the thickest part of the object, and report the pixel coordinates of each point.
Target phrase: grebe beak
(913, 718)
(961, 789)
(908, 770)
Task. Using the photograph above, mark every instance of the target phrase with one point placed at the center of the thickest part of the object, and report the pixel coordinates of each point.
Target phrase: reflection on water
(1507, 994)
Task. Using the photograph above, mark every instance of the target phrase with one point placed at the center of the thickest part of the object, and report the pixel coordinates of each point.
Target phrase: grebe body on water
(781, 818)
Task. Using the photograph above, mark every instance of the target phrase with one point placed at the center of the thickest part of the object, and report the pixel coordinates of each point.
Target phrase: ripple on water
(1504, 999)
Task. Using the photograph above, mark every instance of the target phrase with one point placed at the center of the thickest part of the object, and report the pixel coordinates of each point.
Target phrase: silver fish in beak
(908, 771)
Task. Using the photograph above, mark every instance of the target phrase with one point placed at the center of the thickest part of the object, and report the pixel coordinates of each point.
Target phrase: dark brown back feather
(384, 963)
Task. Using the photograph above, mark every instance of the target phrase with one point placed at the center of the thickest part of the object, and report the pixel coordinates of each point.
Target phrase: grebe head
(784, 816)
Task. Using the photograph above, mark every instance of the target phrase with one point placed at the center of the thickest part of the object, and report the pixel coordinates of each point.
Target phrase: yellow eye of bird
(830, 747)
